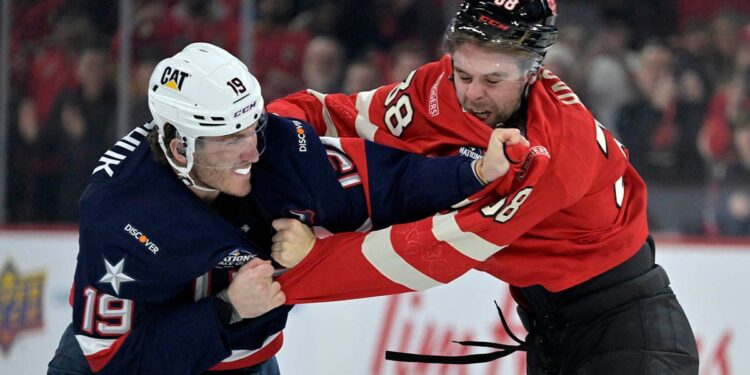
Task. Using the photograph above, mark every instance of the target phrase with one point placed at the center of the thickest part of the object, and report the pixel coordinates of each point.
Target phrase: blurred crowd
(670, 78)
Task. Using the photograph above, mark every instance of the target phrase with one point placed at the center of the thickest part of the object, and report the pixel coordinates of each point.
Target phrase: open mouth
(482, 115)
(243, 171)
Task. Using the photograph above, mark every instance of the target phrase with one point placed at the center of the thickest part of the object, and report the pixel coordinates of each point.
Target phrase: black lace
(505, 350)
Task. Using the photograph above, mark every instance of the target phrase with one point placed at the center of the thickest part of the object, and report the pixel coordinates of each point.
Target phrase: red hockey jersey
(576, 209)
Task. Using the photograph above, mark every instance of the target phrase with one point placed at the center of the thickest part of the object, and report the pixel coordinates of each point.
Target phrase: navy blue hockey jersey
(151, 251)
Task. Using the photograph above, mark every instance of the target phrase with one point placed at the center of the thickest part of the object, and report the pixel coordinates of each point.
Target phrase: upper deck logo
(20, 303)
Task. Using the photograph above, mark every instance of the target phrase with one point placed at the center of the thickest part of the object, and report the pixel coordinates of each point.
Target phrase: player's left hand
(292, 242)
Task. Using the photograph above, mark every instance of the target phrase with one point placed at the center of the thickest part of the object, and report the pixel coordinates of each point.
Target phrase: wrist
(478, 164)
(227, 313)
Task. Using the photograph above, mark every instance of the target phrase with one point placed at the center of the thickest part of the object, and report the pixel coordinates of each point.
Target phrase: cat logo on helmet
(173, 78)
(200, 72)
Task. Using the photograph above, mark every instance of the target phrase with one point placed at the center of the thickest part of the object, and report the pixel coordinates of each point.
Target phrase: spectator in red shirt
(724, 107)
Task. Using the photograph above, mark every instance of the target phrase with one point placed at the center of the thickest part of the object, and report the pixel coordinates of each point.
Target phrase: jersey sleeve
(332, 115)
(175, 339)
(429, 252)
(381, 115)
(401, 186)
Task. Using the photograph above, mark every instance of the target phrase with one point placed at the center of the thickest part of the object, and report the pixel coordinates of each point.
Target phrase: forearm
(413, 187)
(402, 258)
(419, 255)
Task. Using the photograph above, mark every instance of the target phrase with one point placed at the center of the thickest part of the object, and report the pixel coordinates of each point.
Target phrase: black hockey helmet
(528, 24)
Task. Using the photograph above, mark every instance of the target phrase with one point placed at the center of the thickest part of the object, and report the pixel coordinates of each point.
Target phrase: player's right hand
(506, 146)
(253, 291)
(292, 242)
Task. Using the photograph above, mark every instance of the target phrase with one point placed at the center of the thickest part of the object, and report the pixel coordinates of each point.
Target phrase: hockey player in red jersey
(568, 232)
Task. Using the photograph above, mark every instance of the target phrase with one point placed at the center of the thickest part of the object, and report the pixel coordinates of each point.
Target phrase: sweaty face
(219, 161)
(489, 83)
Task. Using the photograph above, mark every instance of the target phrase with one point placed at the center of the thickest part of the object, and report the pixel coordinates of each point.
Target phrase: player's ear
(177, 149)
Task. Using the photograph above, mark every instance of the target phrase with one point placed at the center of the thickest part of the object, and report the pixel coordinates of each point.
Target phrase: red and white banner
(711, 281)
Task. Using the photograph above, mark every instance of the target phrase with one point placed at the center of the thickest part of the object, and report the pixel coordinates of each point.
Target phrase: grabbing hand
(506, 146)
(292, 242)
(253, 291)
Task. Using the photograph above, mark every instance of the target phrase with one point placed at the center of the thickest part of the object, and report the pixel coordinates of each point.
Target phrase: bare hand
(292, 242)
(495, 163)
(253, 292)
(73, 122)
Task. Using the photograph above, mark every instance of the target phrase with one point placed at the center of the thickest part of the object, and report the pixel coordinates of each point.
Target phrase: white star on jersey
(115, 275)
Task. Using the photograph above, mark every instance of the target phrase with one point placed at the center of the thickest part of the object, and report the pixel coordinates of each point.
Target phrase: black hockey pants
(626, 321)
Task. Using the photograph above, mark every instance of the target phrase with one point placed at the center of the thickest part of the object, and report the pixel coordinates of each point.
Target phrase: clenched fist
(292, 242)
(505, 146)
(253, 292)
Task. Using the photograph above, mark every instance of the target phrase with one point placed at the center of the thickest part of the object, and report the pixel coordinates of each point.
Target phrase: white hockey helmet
(203, 91)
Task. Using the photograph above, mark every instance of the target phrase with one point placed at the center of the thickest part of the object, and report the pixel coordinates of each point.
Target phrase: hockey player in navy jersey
(170, 277)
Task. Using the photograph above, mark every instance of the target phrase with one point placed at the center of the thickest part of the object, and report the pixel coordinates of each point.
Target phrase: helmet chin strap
(183, 172)
(191, 183)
